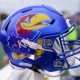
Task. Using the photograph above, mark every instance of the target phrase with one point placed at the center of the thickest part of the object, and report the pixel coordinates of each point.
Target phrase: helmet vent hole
(6, 28)
(52, 21)
(26, 10)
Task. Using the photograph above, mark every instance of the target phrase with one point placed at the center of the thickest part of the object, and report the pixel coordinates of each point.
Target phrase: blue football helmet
(39, 32)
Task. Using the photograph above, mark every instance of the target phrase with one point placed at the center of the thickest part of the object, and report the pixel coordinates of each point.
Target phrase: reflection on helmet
(38, 31)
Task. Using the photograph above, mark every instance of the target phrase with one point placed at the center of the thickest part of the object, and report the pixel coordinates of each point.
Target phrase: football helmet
(39, 32)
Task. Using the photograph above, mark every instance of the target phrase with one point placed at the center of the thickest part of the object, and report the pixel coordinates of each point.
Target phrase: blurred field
(2, 53)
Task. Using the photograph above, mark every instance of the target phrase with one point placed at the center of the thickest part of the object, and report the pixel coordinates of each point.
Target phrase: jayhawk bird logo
(32, 22)
(14, 42)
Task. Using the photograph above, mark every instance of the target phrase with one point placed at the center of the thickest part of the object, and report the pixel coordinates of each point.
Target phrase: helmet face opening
(38, 31)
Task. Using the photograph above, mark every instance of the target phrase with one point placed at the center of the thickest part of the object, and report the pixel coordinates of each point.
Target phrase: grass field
(2, 53)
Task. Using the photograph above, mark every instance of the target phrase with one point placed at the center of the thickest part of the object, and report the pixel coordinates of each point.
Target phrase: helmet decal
(20, 30)
(14, 43)
(19, 55)
(39, 52)
(32, 22)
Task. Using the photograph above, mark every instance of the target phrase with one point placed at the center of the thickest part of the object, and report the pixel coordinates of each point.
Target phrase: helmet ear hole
(6, 28)
(48, 43)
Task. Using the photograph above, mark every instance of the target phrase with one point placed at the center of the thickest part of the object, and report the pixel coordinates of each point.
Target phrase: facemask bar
(65, 52)
(65, 43)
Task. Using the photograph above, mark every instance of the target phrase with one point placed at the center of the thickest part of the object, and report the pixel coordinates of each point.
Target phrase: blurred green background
(2, 54)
